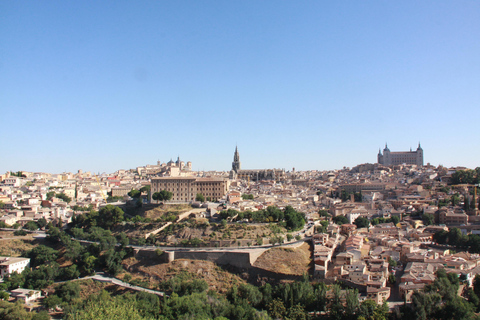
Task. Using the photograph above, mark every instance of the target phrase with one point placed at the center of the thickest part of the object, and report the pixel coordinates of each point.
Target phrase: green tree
(391, 262)
(64, 197)
(455, 199)
(31, 225)
(428, 219)
(13, 311)
(68, 273)
(52, 301)
(370, 310)
(395, 219)
(68, 291)
(163, 195)
(106, 308)
(362, 222)
(110, 216)
(42, 315)
(50, 195)
(4, 295)
(323, 213)
(145, 189)
(294, 220)
(20, 233)
(135, 194)
(200, 197)
(340, 220)
(276, 309)
(392, 279)
(351, 303)
(42, 255)
(14, 280)
(42, 222)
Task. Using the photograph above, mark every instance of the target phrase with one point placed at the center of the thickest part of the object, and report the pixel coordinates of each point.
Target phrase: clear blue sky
(106, 85)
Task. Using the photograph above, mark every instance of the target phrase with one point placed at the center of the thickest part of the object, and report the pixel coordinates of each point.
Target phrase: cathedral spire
(236, 160)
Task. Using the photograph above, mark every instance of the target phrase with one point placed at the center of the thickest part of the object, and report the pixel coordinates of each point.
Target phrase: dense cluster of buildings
(399, 185)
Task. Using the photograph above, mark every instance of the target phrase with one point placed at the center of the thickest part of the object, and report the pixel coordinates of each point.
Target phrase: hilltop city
(397, 238)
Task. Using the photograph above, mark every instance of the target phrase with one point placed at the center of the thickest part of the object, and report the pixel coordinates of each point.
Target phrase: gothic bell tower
(236, 166)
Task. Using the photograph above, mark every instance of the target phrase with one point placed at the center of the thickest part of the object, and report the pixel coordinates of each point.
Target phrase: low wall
(240, 259)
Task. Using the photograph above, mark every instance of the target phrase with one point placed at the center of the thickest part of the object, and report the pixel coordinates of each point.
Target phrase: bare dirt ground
(296, 261)
(217, 279)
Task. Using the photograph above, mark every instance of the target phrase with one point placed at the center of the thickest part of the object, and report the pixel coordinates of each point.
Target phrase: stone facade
(389, 158)
(254, 174)
(186, 188)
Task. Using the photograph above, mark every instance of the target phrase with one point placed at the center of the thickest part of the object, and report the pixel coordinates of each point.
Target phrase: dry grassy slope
(285, 260)
(217, 279)
(16, 247)
(161, 210)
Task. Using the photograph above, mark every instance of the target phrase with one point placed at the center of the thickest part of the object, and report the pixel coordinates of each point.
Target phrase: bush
(20, 233)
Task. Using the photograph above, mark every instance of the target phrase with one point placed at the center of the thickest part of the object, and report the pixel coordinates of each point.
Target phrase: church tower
(419, 156)
(236, 166)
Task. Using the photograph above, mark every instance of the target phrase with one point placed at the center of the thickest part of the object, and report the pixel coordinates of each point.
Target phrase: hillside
(292, 261)
(216, 278)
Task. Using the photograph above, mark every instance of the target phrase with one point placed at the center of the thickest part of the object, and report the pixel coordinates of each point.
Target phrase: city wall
(239, 259)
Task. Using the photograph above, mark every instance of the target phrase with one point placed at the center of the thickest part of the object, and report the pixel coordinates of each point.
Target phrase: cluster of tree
(322, 228)
(16, 311)
(323, 213)
(362, 222)
(114, 199)
(44, 270)
(292, 219)
(65, 294)
(136, 194)
(199, 197)
(35, 225)
(107, 218)
(189, 299)
(345, 196)
(80, 208)
(428, 219)
(194, 242)
(340, 220)
(61, 196)
(163, 195)
(302, 299)
(136, 306)
(456, 238)
(393, 219)
(106, 254)
(467, 176)
(4, 225)
(439, 300)
(246, 196)
(17, 174)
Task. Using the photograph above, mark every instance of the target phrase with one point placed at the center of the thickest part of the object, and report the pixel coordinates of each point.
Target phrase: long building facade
(389, 158)
(254, 174)
(185, 189)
